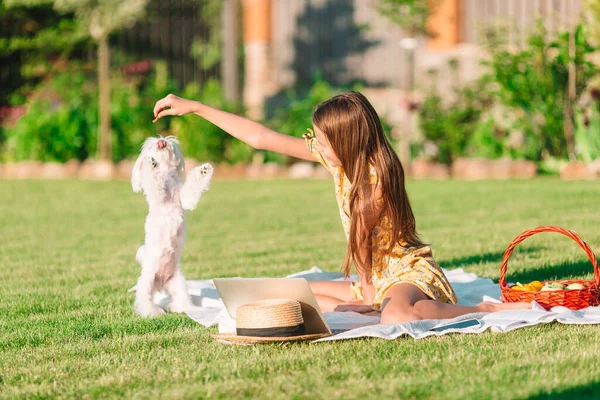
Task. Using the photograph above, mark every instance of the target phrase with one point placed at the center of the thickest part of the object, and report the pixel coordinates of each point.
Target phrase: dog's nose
(161, 144)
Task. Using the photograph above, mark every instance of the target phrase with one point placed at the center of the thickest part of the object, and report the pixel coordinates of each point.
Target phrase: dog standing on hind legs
(159, 172)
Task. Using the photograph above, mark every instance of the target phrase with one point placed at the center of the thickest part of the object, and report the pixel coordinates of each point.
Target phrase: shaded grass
(67, 259)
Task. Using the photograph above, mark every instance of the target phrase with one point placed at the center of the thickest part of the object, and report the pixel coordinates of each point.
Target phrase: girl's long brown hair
(354, 131)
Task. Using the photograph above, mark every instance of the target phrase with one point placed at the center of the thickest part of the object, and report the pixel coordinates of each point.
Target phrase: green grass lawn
(67, 329)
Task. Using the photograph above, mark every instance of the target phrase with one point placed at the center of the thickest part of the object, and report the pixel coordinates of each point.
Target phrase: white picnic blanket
(470, 290)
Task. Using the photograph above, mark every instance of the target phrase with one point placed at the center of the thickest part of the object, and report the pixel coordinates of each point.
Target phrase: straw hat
(267, 321)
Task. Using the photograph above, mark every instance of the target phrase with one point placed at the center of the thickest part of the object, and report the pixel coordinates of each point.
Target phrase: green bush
(203, 140)
(532, 85)
(451, 124)
(487, 141)
(587, 133)
(131, 114)
(535, 80)
(294, 118)
(62, 120)
(60, 123)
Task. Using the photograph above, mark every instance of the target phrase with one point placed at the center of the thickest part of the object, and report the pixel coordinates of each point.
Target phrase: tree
(30, 37)
(410, 15)
(544, 79)
(103, 17)
(97, 19)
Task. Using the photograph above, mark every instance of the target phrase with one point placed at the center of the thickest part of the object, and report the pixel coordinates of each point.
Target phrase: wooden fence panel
(518, 16)
(349, 41)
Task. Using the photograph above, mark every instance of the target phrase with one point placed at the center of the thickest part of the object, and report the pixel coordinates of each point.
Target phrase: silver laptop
(238, 291)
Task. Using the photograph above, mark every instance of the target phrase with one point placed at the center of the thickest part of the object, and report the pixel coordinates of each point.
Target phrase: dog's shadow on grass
(572, 270)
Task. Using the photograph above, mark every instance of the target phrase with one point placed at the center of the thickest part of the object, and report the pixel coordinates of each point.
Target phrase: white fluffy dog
(158, 172)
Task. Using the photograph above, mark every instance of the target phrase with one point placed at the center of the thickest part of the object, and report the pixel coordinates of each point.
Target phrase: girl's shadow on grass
(573, 270)
(476, 259)
(589, 391)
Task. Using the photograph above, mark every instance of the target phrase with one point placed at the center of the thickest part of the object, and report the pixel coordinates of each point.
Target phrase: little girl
(398, 276)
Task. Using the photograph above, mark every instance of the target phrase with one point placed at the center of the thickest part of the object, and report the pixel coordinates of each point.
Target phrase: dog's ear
(136, 175)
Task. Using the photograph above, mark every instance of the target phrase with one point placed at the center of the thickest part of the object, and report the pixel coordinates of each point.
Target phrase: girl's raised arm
(250, 132)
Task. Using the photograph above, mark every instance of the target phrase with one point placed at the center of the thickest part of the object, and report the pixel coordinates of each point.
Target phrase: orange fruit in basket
(536, 285)
(519, 287)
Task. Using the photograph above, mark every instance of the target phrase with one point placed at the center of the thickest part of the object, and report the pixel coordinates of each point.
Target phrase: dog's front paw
(201, 175)
(206, 170)
(196, 183)
(204, 173)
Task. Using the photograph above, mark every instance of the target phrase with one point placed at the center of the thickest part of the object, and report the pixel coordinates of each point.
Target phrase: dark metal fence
(168, 32)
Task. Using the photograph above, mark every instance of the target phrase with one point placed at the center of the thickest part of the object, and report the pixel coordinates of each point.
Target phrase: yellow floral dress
(414, 265)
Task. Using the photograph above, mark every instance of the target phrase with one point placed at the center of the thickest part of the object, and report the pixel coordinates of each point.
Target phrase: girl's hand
(173, 105)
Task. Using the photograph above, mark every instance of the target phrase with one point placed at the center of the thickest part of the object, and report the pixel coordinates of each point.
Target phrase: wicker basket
(573, 299)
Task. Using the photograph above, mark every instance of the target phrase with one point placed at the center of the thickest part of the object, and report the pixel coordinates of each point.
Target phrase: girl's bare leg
(405, 302)
(330, 294)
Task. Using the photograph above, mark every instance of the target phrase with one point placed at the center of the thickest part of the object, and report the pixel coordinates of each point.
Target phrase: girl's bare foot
(488, 306)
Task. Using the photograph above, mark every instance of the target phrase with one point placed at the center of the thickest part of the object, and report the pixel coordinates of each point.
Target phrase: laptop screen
(239, 291)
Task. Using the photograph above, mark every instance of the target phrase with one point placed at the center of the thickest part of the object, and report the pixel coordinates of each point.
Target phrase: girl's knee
(399, 316)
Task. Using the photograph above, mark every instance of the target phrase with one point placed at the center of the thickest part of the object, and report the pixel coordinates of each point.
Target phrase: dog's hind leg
(139, 257)
(144, 294)
(196, 183)
(180, 298)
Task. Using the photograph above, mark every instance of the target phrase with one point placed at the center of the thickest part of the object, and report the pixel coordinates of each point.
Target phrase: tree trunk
(104, 135)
